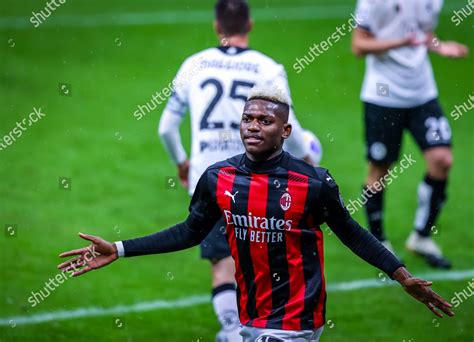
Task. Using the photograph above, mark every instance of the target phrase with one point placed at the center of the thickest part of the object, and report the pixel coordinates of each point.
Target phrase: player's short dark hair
(233, 16)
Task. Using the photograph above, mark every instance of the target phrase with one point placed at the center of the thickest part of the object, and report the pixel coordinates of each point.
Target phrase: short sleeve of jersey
(363, 14)
(203, 209)
(372, 15)
(432, 10)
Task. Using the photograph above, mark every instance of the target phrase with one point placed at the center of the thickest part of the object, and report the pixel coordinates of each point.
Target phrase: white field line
(311, 12)
(202, 299)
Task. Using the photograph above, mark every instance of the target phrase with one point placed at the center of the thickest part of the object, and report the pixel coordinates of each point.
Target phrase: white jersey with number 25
(214, 84)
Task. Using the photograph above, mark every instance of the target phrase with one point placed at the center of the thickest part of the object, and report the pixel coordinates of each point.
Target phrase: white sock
(224, 300)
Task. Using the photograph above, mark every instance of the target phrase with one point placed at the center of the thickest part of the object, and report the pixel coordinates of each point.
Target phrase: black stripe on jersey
(310, 256)
(242, 184)
(279, 275)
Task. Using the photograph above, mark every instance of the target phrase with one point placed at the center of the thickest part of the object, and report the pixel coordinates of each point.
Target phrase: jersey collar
(265, 166)
(232, 50)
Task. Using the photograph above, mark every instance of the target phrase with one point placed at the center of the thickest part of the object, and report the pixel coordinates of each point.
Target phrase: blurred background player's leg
(383, 135)
(224, 300)
(432, 132)
(374, 203)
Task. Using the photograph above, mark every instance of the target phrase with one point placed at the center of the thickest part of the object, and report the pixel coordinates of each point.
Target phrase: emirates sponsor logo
(251, 221)
(285, 201)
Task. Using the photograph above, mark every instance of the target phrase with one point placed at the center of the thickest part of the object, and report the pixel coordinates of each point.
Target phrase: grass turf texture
(119, 171)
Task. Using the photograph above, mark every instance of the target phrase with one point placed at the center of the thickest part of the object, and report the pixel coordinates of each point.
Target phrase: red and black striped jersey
(273, 211)
(275, 240)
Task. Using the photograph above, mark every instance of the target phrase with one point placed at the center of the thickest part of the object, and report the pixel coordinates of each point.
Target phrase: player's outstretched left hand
(99, 254)
(421, 291)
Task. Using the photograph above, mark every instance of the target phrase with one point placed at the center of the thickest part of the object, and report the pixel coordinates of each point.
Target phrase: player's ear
(250, 25)
(217, 27)
(286, 130)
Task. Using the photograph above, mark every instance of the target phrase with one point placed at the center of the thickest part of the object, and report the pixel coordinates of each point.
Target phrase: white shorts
(251, 334)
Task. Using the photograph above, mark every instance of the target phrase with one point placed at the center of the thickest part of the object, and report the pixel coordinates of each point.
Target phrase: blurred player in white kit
(400, 93)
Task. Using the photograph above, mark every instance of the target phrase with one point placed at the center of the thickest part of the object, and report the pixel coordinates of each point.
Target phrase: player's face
(263, 128)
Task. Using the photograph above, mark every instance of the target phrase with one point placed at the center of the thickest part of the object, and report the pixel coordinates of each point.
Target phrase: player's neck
(240, 41)
(264, 157)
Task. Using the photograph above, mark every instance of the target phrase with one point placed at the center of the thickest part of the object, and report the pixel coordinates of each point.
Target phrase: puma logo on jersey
(227, 193)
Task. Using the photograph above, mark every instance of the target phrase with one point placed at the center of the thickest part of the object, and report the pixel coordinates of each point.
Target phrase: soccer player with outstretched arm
(273, 205)
(213, 85)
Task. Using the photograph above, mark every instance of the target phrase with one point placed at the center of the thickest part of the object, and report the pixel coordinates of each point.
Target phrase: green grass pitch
(118, 169)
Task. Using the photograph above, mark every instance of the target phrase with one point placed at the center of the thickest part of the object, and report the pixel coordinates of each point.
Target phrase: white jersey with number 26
(214, 84)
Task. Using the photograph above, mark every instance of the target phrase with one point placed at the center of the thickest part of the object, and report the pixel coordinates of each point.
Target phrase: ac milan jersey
(272, 213)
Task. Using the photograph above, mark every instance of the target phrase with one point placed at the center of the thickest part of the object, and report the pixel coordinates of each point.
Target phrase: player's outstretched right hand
(99, 254)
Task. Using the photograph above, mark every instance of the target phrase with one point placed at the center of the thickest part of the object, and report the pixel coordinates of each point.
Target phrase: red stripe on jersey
(297, 188)
(318, 313)
(225, 182)
(257, 207)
